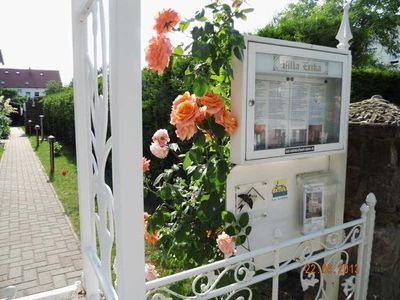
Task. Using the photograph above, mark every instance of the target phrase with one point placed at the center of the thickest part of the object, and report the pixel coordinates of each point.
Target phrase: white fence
(335, 241)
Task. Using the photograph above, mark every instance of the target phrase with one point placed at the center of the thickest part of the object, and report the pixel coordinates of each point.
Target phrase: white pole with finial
(344, 35)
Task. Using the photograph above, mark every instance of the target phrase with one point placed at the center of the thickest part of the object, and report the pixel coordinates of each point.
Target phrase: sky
(38, 33)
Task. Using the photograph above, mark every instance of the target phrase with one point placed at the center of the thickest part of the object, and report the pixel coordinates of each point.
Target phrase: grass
(1, 149)
(64, 179)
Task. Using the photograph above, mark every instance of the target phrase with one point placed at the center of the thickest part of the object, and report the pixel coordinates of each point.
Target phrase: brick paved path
(38, 250)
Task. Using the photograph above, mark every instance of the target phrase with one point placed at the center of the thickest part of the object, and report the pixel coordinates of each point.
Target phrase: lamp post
(37, 128)
(41, 127)
(30, 126)
(51, 139)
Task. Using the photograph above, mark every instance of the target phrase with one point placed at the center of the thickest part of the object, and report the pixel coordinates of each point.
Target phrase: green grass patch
(64, 179)
(1, 149)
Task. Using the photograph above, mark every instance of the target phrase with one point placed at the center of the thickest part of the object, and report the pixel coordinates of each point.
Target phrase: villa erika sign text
(299, 65)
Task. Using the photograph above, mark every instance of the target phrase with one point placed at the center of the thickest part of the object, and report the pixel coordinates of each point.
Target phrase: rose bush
(190, 226)
(5, 110)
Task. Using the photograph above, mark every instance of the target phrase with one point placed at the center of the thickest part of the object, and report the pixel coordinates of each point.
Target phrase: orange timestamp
(329, 268)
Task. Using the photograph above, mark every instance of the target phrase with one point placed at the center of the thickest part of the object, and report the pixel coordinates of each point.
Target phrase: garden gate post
(83, 146)
(126, 128)
(114, 31)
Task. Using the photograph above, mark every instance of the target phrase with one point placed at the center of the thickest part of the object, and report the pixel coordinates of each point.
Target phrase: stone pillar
(374, 166)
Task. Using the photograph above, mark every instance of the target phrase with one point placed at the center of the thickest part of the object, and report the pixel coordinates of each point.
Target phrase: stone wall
(374, 166)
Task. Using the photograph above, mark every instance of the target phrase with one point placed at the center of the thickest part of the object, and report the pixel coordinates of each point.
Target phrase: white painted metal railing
(359, 233)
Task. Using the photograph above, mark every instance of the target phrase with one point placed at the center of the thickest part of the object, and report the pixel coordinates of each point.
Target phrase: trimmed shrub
(58, 109)
(366, 82)
(4, 127)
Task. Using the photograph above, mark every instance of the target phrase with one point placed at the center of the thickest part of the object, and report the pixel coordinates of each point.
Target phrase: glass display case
(294, 101)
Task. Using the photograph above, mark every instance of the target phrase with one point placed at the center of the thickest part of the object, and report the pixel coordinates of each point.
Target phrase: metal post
(126, 120)
(41, 127)
(360, 255)
(37, 128)
(83, 147)
(275, 280)
(30, 126)
(51, 144)
(369, 237)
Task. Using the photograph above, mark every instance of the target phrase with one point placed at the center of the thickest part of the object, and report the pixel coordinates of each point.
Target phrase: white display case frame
(243, 93)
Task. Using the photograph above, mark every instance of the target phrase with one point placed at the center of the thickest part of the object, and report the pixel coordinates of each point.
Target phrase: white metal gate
(337, 241)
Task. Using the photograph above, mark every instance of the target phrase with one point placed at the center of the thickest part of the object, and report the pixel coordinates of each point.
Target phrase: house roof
(27, 78)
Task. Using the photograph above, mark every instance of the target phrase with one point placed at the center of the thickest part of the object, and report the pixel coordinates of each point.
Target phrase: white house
(27, 82)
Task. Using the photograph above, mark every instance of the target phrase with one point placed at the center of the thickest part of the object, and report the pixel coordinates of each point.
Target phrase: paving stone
(38, 249)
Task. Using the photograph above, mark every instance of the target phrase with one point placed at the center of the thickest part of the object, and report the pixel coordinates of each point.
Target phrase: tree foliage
(53, 87)
(317, 22)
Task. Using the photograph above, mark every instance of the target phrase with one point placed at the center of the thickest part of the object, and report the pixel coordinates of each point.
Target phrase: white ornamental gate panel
(207, 282)
(106, 43)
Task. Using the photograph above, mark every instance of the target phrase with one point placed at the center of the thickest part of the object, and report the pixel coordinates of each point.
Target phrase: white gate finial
(344, 35)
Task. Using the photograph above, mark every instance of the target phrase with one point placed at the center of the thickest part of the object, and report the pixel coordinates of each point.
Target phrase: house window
(36, 94)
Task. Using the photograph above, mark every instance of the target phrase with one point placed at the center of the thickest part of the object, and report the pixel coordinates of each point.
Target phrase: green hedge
(59, 121)
(366, 82)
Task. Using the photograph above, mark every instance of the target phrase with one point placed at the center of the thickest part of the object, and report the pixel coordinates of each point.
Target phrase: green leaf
(197, 32)
(209, 28)
(244, 219)
(199, 139)
(228, 217)
(216, 65)
(158, 179)
(248, 230)
(165, 192)
(200, 14)
(200, 50)
(218, 130)
(191, 169)
(183, 25)
(200, 87)
(187, 162)
(230, 231)
(178, 50)
(222, 170)
(247, 10)
(238, 53)
(195, 154)
(240, 240)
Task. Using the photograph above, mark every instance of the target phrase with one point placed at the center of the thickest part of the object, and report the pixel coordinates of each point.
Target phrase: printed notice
(299, 113)
(278, 110)
(280, 189)
(317, 114)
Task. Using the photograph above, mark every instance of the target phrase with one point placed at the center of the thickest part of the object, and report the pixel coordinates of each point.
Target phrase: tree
(317, 22)
(53, 87)
(8, 93)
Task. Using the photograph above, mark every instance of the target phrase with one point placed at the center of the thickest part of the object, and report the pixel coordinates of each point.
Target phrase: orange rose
(146, 164)
(182, 98)
(213, 102)
(152, 239)
(158, 53)
(226, 119)
(166, 20)
(185, 132)
(185, 113)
